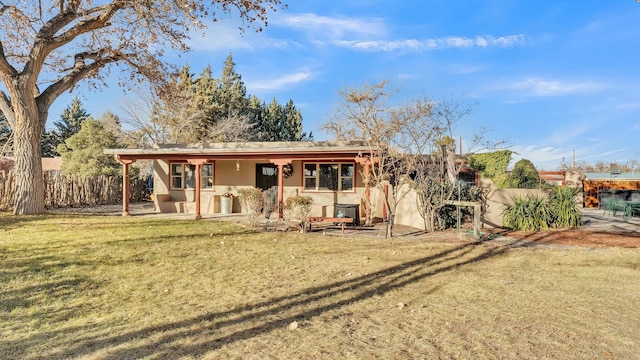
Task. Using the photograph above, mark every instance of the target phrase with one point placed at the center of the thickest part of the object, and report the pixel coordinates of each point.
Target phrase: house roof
(610, 177)
(299, 150)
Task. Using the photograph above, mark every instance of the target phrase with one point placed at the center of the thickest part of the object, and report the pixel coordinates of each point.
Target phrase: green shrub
(566, 213)
(524, 176)
(527, 213)
(447, 217)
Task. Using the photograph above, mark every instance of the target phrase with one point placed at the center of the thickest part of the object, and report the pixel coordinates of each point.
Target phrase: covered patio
(329, 172)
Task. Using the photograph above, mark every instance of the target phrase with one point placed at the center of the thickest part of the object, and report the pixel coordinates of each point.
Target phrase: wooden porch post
(281, 163)
(125, 184)
(198, 163)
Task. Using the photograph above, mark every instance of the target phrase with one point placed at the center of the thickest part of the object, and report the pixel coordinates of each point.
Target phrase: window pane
(176, 169)
(206, 183)
(309, 169)
(310, 183)
(346, 170)
(176, 182)
(328, 177)
(207, 170)
(347, 184)
(190, 179)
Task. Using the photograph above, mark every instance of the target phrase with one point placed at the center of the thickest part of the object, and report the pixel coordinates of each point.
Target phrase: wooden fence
(71, 191)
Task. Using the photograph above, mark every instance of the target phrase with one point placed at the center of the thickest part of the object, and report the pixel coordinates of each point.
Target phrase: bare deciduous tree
(406, 142)
(48, 47)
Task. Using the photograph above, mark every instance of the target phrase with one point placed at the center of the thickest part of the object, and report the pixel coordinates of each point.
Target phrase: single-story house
(193, 178)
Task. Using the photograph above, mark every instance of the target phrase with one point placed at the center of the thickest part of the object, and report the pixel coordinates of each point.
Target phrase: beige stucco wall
(227, 179)
(497, 200)
(407, 211)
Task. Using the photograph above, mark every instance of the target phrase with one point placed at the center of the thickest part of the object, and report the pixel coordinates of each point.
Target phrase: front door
(266, 176)
(267, 180)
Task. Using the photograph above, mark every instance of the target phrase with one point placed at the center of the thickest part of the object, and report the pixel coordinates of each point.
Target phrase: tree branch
(46, 41)
(5, 67)
(7, 110)
(80, 71)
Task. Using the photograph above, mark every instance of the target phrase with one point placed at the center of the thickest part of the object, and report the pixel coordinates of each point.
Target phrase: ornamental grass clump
(564, 208)
(527, 213)
(530, 213)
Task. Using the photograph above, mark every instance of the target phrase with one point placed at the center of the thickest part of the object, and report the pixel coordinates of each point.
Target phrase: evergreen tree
(70, 121)
(293, 125)
(190, 109)
(49, 144)
(83, 155)
(524, 175)
(275, 122)
(231, 95)
(205, 94)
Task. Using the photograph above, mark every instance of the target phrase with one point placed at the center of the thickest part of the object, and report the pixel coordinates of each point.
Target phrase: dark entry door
(266, 176)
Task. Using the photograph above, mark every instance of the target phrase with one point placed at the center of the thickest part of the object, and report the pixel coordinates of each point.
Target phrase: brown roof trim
(249, 150)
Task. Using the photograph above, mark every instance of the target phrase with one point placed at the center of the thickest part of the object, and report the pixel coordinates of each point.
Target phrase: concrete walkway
(596, 220)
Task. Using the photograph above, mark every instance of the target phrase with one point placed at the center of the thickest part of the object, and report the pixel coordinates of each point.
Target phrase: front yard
(107, 287)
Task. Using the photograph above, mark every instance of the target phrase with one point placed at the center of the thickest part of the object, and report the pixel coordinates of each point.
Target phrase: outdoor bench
(336, 220)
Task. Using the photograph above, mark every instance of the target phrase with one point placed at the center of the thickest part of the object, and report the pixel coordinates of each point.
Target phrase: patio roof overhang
(330, 151)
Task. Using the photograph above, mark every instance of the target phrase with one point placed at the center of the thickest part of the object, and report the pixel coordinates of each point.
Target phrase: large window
(183, 176)
(329, 176)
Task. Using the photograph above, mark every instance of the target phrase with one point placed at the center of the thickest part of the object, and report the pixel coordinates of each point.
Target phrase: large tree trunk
(29, 183)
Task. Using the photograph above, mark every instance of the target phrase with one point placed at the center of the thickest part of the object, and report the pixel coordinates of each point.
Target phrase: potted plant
(226, 203)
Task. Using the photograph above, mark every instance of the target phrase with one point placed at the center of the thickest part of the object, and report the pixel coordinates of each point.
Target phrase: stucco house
(329, 172)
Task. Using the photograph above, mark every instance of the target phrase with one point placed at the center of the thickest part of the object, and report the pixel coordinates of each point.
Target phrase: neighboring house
(595, 184)
(48, 164)
(329, 172)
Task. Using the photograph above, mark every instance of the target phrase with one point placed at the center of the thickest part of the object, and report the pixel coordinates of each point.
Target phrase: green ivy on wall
(492, 165)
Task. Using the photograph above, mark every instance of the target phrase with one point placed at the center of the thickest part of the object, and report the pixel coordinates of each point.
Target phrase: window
(183, 176)
(329, 177)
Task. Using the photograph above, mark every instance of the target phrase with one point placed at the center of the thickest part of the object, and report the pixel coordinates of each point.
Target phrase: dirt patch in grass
(579, 238)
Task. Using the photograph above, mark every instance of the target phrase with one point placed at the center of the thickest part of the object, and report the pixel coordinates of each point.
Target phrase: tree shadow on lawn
(202, 334)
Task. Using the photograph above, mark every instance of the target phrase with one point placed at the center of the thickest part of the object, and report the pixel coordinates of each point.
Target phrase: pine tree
(49, 144)
(70, 121)
(230, 95)
(275, 122)
(83, 155)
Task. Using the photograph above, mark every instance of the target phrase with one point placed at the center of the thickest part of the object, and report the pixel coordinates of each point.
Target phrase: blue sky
(550, 77)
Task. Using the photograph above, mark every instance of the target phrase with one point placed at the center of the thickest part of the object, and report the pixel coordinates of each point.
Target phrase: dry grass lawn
(92, 287)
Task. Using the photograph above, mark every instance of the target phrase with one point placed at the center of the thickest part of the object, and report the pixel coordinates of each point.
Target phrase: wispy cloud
(333, 27)
(227, 38)
(280, 82)
(466, 69)
(432, 43)
(543, 87)
(601, 154)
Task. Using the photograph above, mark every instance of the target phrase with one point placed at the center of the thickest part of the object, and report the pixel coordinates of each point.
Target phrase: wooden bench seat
(336, 220)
